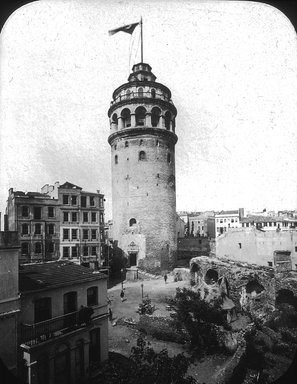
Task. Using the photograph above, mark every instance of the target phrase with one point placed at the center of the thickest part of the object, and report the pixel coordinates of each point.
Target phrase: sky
(232, 70)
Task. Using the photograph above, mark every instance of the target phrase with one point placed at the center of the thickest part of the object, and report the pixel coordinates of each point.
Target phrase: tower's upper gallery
(142, 88)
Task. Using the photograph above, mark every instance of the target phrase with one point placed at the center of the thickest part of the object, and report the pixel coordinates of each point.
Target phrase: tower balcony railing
(33, 334)
(141, 95)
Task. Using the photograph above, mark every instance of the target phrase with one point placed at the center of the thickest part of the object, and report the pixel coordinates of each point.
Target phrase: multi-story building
(35, 216)
(142, 140)
(63, 335)
(222, 221)
(81, 222)
(9, 299)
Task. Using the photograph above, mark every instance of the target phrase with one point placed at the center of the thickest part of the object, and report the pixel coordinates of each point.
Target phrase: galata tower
(142, 140)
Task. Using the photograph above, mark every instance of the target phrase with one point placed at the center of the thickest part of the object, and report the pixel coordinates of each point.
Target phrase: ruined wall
(255, 246)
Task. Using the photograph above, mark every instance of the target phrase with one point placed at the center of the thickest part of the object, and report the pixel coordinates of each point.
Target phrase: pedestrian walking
(165, 278)
(122, 295)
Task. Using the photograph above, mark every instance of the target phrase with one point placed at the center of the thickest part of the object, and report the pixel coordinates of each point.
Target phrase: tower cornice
(143, 131)
(142, 100)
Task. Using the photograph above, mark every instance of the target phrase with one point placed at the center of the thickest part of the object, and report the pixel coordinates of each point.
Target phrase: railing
(33, 334)
(132, 95)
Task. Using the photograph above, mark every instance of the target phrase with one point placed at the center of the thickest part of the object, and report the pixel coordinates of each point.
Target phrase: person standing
(122, 295)
(165, 278)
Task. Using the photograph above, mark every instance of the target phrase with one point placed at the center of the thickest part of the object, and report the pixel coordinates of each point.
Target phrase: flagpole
(141, 38)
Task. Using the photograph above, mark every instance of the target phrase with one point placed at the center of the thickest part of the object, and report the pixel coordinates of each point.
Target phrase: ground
(123, 337)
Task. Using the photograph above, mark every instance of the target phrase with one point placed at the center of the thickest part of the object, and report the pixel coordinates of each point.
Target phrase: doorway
(133, 259)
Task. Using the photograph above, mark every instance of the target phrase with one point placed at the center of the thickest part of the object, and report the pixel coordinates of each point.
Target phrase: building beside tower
(142, 139)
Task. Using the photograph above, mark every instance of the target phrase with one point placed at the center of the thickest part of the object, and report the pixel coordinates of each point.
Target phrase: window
(65, 234)
(92, 201)
(85, 234)
(232, 220)
(74, 251)
(25, 248)
(85, 251)
(85, 217)
(140, 142)
(141, 156)
(140, 113)
(269, 264)
(94, 217)
(65, 199)
(153, 92)
(167, 120)
(116, 160)
(115, 147)
(93, 251)
(37, 229)
(42, 309)
(140, 92)
(83, 201)
(101, 218)
(73, 200)
(74, 216)
(74, 233)
(128, 93)
(114, 119)
(295, 249)
(65, 251)
(155, 118)
(126, 144)
(168, 158)
(101, 202)
(126, 118)
(65, 216)
(132, 222)
(37, 213)
(50, 247)
(38, 248)
(50, 212)
(239, 244)
(94, 346)
(94, 234)
(70, 302)
(25, 229)
(25, 211)
(92, 296)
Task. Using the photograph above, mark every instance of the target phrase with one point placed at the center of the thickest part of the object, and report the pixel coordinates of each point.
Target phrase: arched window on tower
(140, 116)
(153, 92)
(126, 117)
(126, 144)
(173, 124)
(128, 94)
(132, 222)
(140, 92)
(114, 120)
(140, 142)
(141, 156)
(168, 158)
(156, 112)
(116, 159)
(167, 120)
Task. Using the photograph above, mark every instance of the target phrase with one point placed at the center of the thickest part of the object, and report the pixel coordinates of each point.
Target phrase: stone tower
(142, 139)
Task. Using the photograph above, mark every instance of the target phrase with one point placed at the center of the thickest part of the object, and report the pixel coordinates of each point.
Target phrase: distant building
(9, 298)
(196, 222)
(180, 227)
(61, 341)
(269, 222)
(81, 222)
(256, 246)
(222, 221)
(36, 218)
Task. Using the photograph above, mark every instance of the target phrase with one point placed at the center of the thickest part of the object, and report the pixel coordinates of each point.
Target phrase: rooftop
(41, 276)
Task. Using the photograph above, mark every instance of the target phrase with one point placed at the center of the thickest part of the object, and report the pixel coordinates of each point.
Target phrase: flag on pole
(126, 28)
